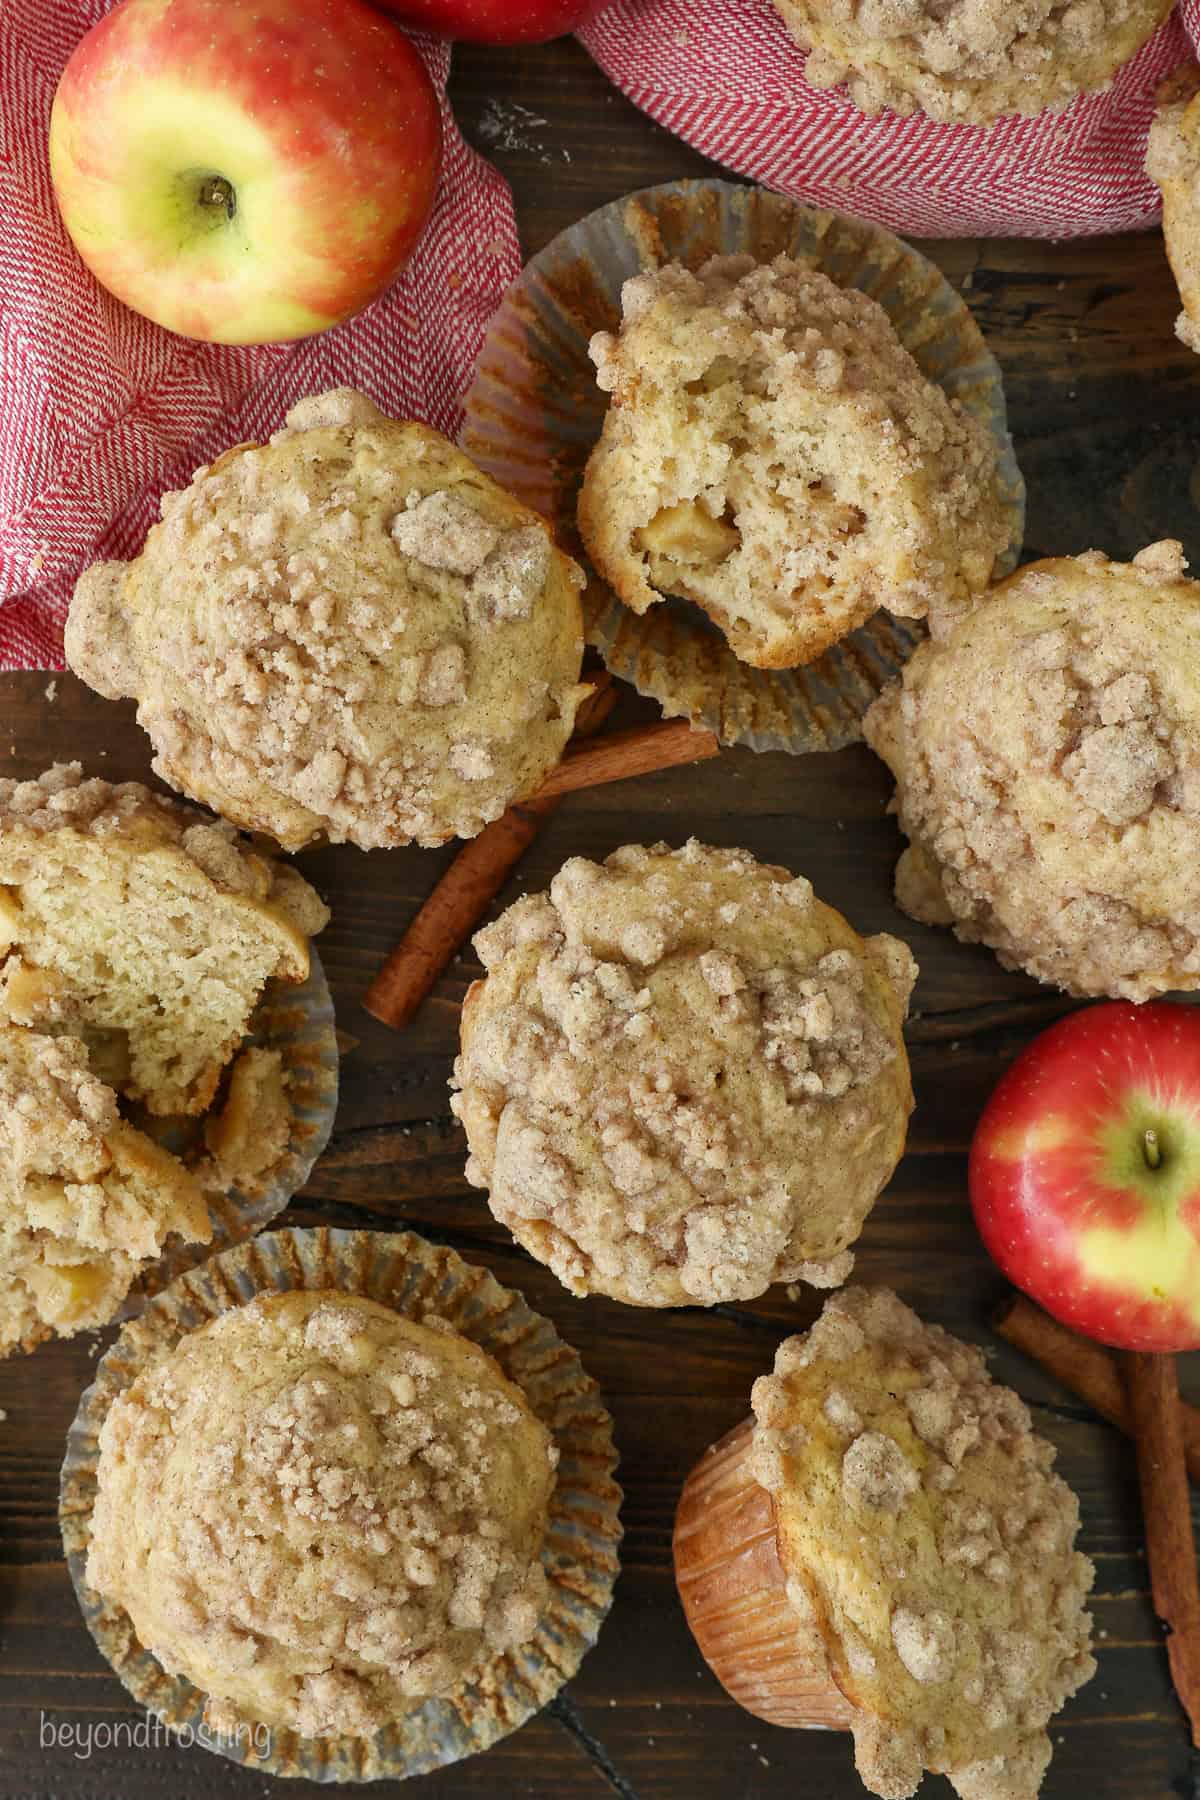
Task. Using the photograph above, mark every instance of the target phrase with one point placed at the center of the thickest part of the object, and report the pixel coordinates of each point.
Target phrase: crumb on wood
(51, 691)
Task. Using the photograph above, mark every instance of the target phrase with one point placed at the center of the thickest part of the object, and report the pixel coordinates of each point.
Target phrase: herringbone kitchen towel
(100, 411)
(726, 76)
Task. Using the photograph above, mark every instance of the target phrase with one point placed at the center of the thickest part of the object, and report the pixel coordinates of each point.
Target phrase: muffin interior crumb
(129, 917)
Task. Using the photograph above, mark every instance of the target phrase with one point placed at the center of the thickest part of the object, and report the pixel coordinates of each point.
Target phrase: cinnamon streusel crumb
(968, 61)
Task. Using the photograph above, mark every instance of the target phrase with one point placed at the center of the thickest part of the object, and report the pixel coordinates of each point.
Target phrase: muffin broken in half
(144, 927)
(774, 454)
(85, 1200)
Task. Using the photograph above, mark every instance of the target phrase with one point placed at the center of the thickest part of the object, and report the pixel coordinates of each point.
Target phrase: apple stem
(1150, 1148)
(216, 192)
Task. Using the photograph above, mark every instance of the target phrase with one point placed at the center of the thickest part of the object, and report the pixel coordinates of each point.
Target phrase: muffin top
(349, 631)
(1173, 162)
(968, 61)
(85, 1200)
(318, 1511)
(774, 454)
(1047, 759)
(684, 1076)
(928, 1546)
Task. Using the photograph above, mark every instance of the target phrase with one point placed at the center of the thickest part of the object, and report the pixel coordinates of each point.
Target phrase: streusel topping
(773, 453)
(85, 1201)
(928, 1545)
(968, 61)
(319, 1511)
(1047, 758)
(348, 631)
(684, 1078)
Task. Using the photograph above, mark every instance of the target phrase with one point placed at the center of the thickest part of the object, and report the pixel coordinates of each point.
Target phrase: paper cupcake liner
(579, 1555)
(734, 1593)
(297, 1020)
(534, 413)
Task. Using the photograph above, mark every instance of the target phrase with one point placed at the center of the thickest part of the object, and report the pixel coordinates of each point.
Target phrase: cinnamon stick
(1085, 1369)
(623, 754)
(1153, 1388)
(467, 889)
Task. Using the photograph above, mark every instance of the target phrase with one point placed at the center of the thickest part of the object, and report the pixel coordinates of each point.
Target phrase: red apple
(1085, 1174)
(495, 21)
(245, 172)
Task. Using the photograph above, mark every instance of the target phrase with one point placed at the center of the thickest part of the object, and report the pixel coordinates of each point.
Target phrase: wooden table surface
(1105, 406)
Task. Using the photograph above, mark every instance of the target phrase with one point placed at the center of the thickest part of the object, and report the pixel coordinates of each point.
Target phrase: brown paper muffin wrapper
(296, 1020)
(734, 1592)
(534, 412)
(579, 1555)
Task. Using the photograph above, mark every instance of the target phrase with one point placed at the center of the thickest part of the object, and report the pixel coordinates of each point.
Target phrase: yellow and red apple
(1085, 1174)
(245, 171)
(495, 21)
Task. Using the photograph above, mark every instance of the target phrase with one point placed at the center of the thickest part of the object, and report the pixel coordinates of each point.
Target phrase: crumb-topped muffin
(349, 631)
(318, 1512)
(1173, 163)
(968, 61)
(86, 1201)
(144, 927)
(773, 453)
(1047, 764)
(891, 1518)
(684, 1077)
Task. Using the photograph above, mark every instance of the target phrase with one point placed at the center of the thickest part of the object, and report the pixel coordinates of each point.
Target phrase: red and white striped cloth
(726, 76)
(100, 411)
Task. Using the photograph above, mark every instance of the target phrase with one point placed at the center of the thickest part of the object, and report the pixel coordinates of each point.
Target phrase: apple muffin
(348, 632)
(318, 1512)
(1047, 764)
(884, 1548)
(684, 1076)
(144, 927)
(968, 62)
(86, 1201)
(773, 453)
(1173, 164)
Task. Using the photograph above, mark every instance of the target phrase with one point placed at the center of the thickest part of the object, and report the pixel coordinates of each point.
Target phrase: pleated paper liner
(579, 1555)
(534, 412)
(295, 1019)
(733, 1588)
